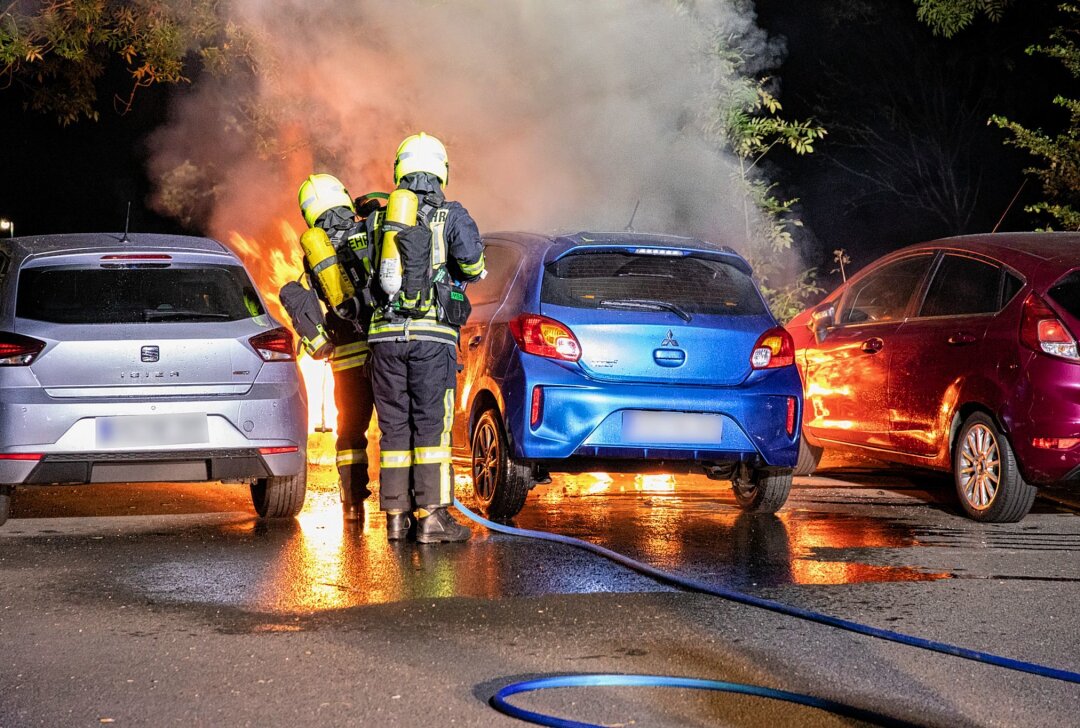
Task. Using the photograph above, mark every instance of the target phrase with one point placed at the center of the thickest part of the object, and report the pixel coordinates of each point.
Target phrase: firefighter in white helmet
(413, 338)
(338, 260)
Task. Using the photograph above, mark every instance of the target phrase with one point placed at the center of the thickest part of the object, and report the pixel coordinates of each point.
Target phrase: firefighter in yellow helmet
(428, 247)
(337, 262)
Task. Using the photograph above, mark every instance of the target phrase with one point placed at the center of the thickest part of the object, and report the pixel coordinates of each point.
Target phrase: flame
(273, 259)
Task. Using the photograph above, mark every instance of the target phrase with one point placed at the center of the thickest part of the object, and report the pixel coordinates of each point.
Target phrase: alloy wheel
(980, 467)
(485, 457)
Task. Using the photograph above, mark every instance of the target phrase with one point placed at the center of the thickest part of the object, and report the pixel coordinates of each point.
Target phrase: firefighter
(340, 280)
(428, 245)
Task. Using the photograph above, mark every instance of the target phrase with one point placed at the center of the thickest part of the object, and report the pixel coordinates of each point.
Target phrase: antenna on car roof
(127, 222)
(630, 225)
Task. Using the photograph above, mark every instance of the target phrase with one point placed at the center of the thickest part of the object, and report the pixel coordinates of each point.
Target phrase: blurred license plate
(152, 430)
(676, 427)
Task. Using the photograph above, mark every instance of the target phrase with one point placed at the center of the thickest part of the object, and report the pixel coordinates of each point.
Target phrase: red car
(958, 354)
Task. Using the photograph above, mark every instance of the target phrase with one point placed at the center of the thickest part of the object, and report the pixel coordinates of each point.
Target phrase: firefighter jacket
(348, 329)
(457, 252)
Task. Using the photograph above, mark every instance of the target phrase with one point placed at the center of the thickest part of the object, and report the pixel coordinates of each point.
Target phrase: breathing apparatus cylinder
(400, 213)
(323, 262)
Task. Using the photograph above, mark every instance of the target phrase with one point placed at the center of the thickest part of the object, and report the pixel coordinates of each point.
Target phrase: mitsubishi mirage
(957, 355)
(623, 352)
(149, 358)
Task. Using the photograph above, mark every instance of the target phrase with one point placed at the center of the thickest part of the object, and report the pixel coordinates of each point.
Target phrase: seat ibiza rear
(629, 352)
(149, 359)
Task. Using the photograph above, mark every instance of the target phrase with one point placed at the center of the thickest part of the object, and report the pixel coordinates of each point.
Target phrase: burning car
(623, 351)
(149, 358)
(958, 355)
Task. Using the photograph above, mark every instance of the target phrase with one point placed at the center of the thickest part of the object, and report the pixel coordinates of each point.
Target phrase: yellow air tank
(400, 212)
(323, 262)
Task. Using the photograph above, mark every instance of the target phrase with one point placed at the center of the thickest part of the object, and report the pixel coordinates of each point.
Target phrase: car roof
(1058, 247)
(26, 246)
(554, 245)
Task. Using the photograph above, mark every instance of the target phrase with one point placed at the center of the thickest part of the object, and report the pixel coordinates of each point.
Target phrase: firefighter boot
(397, 525)
(436, 525)
(352, 502)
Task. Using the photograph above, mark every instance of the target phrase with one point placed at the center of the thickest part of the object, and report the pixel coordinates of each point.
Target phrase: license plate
(152, 430)
(682, 428)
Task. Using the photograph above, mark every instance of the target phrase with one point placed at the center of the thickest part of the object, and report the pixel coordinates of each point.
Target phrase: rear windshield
(77, 295)
(1067, 293)
(626, 281)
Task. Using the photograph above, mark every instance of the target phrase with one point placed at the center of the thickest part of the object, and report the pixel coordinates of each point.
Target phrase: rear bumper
(582, 418)
(175, 466)
(1047, 405)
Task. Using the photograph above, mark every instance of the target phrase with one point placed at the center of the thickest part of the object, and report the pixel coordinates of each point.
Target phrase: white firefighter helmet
(421, 153)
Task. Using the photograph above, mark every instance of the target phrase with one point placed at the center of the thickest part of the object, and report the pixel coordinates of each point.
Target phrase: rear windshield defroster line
(80, 295)
(621, 280)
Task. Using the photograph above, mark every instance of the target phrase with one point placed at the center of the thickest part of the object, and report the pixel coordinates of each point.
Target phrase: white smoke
(557, 114)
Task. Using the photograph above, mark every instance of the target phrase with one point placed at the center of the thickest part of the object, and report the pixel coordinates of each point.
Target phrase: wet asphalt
(172, 604)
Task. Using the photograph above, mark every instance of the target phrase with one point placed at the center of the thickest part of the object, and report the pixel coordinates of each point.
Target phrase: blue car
(623, 352)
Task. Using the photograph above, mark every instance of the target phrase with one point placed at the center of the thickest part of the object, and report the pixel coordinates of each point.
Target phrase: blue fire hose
(500, 703)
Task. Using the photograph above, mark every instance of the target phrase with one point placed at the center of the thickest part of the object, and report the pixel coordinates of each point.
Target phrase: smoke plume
(557, 114)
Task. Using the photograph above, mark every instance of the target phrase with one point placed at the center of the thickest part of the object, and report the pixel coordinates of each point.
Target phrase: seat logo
(151, 353)
(669, 340)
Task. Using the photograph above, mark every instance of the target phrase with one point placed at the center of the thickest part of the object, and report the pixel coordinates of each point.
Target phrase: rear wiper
(153, 314)
(647, 304)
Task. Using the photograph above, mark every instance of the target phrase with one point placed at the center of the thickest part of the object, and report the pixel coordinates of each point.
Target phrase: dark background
(838, 69)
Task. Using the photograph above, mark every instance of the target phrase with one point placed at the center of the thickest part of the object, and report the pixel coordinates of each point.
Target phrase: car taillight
(790, 424)
(33, 456)
(274, 345)
(775, 348)
(278, 450)
(1043, 331)
(17, 350)
(545, 337)
(1055, 443)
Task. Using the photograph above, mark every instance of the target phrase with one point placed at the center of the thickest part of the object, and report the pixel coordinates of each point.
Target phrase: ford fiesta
(622, 351)
(959, 355)
(144, 359)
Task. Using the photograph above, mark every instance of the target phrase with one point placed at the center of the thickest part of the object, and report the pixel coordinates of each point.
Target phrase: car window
(1066, 293)
(883, 295)
(629, 281)
(963, 286)
(1010, 286)
(501, 263)
(78, 295)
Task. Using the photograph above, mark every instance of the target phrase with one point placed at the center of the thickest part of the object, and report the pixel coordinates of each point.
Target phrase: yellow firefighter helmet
(319, 193)
(421, 153)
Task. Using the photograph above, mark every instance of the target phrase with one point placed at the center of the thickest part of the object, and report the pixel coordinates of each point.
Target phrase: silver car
(144, 358)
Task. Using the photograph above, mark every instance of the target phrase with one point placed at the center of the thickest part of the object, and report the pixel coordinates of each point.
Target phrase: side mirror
(821, 320)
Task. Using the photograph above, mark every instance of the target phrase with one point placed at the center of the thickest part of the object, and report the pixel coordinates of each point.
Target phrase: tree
(750, 124)
(1060, 152)
(60, 53)
(949, 17)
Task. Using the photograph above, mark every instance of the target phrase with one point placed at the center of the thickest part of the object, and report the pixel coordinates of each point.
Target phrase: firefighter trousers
(352, 395)
(413, 383)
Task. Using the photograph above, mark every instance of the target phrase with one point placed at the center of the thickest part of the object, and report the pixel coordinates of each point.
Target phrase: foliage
(60, 52)
(1060, 154)
(949, 17)
(748, 121)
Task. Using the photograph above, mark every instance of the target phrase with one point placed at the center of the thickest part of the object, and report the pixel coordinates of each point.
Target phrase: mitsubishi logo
(150, 353)
(670, 340)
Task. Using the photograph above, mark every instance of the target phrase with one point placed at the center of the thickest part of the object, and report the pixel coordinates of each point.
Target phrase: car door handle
(475, 341)
(961, 338)
(873, 345)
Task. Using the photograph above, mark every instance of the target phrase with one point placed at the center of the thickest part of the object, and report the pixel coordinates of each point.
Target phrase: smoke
(557, 114)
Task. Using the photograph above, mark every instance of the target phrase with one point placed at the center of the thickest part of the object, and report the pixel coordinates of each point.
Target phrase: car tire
(500, 482)
(5, 502)
(279, 496)
(809, 457)
(987, 478)
(764, 491)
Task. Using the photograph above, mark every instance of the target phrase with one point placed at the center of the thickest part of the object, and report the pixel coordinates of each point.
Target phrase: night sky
(81, 177)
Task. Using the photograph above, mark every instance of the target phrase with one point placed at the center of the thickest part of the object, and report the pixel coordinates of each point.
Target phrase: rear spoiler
(724, 254)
